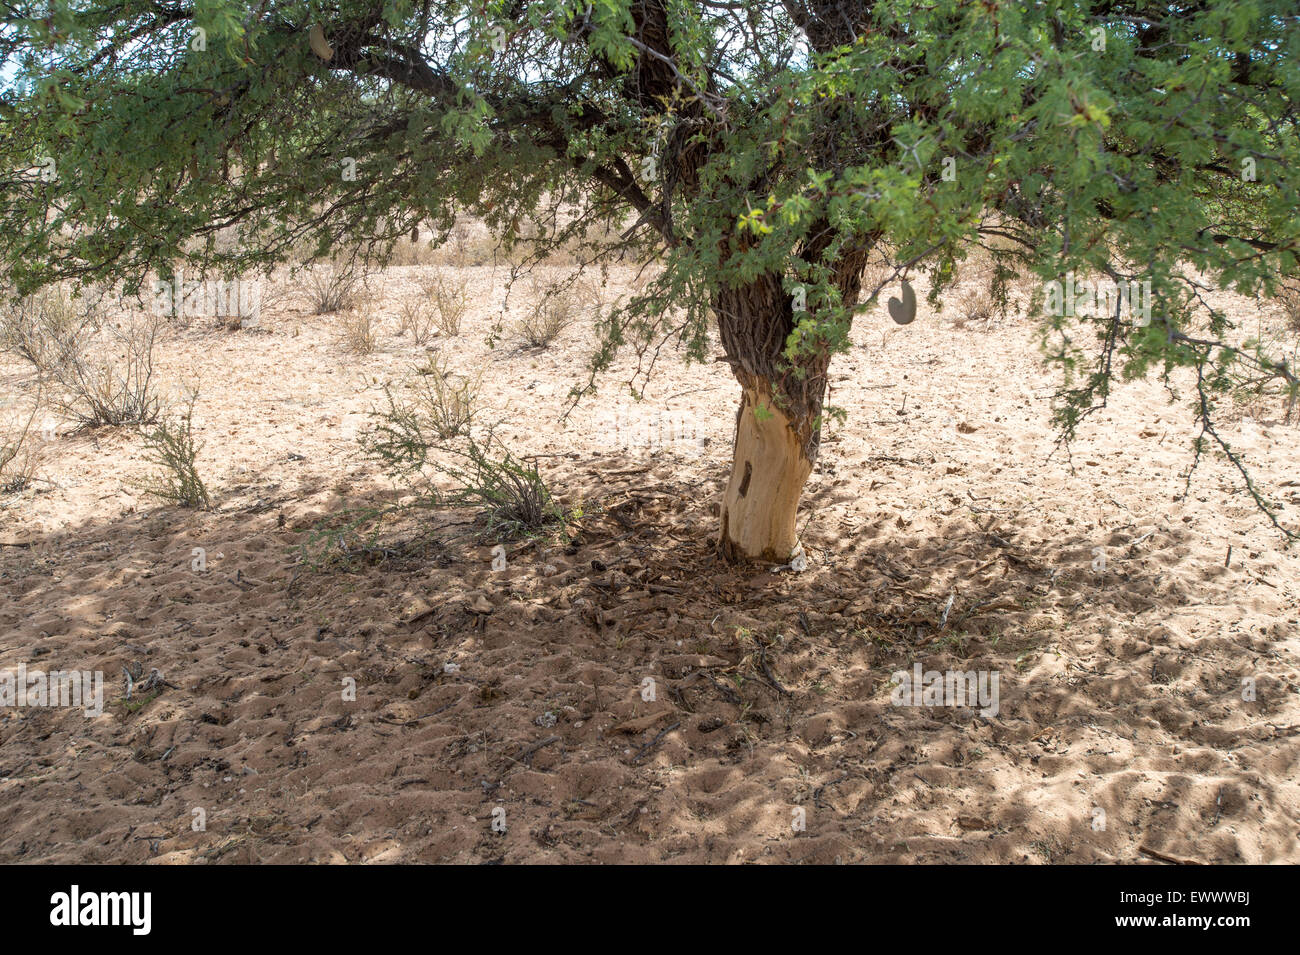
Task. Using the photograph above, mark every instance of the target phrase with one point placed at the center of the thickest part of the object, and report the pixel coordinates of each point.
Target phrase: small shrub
(974, 305)
(331, 288)
(359, 330)
(450, 302)
(509, 495)
(171, 447)
(99, 391)
(18, 458)
(47, 329)
(417, 320)
(1288, 298)
(277, 291)
(448, 399)
(441, 407)
(591, 293)
(550, 315)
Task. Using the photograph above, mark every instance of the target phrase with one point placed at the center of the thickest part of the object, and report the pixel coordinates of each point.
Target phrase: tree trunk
(768, 472)
(778, 427)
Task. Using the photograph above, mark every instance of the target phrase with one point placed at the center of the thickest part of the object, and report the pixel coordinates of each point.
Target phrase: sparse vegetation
(973, 305)
(1272, 382)
(440, 407)
(113, 387)
(171, 447)
(417, 320)
(331, 288)
(413, 442)
(358, 329)
(449, 299)
(19, 457)
(510, 496)
(48, 329)
(1288, 299)
(1004, 594)
(548, 316)
(466, 247)
(760, 157)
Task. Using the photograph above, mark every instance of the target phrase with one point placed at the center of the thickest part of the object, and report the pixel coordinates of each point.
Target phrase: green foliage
(440, 406)
(170, 445)
(509, 494)
(425, 442)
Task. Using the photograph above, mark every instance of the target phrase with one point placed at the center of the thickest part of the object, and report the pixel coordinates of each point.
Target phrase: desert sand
(940, 529)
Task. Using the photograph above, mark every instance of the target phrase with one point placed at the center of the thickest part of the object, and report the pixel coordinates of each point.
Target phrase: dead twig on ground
(653, 743)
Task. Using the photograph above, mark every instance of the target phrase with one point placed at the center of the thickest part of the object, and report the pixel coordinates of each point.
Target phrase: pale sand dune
(1120, 690)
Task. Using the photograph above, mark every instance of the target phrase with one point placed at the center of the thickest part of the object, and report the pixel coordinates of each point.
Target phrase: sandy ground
(520, 696)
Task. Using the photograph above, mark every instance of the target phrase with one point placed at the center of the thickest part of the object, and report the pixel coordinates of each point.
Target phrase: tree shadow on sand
(622, 695)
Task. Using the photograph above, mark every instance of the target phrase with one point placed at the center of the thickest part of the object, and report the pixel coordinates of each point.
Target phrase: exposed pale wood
(768, 474)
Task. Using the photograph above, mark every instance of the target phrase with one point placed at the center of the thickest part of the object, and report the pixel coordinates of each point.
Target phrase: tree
(764, 151)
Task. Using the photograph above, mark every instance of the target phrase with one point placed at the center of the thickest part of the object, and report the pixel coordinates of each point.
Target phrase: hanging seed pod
(319, 45)
(905, 311)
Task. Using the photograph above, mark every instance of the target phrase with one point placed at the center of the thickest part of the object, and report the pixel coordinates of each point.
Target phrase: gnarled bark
(778, 427)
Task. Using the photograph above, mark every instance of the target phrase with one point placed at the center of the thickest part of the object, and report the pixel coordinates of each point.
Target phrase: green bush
(171, 447)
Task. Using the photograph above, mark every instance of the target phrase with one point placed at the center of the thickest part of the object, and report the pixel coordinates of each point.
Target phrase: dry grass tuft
(114, 386)
(331, 288)
(359, 329)
(449, 299)
(48, 329)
